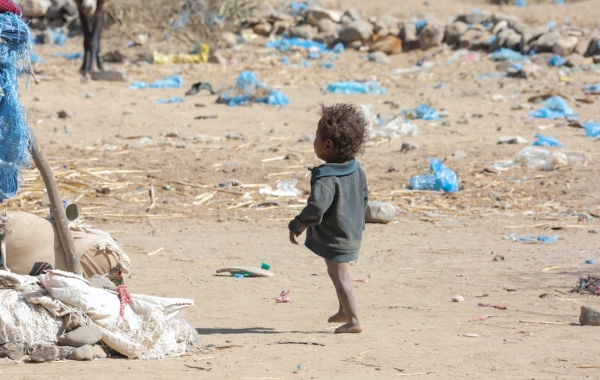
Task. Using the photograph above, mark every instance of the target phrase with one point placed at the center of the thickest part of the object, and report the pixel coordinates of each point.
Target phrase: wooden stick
(297, 342)
(415, 374)
(543, 322)
(197, 367)
(56, 208)
(155, 252)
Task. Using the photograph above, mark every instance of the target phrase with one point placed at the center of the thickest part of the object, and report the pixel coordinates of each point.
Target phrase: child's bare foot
(349, 328)
(339, 317)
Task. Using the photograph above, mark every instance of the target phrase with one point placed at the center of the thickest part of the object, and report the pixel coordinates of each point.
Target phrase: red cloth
(124, 297)
(9, 6)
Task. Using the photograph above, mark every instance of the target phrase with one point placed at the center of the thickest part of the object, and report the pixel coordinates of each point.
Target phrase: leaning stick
(56, 208)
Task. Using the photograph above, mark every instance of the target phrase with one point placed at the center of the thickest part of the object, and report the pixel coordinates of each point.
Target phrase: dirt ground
(438, 247)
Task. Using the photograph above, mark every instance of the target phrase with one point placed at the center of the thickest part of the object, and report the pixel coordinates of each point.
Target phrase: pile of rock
(55, 12)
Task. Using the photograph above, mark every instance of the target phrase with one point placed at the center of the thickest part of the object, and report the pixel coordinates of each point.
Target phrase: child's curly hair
(345, 126)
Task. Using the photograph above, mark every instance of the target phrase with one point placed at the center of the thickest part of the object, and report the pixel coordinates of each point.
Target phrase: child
(335, 212)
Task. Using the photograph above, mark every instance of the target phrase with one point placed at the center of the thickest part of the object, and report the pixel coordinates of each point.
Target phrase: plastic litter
(505, 54)
(542, 140)
(286, 43)
(592, 129)
(285, 188)
(249, 88)
(520, 3)
(327, 65)
(174, 99)
(423, 112)
(534, 239)
(172, 81)
(554, 108)
(284, 297)
(557, 61)
(541, 159)
(159, 58)
(593, 89)
(590, 261)
(370, 87)
(393, 129)
(442, 179)
(69, 56)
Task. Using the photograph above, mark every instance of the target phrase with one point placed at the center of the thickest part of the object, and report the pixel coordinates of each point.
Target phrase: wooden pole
(56, 208)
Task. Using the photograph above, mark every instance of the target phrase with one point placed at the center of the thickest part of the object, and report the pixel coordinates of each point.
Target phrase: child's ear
(328, 144)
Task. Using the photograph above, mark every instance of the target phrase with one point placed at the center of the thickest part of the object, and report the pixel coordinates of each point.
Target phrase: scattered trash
(592, 129)
(588, 284)
(173, 59)
(458, 298)
(171, 81)
(246, 271)
(557, 61)
(478, 319)
(174, 99)
(359, 280)
(205, 117)
(498, 258)
(469, 335)
(249, 88)
(69, 56)
(590, 261)
(534, 239)
(509, 289)
(370, 87)
(380, 212)
(442, 179)
(284, 297)
(197, 87)
(546, 141)
(505, 54)
(593, 89)
(555, 107)
(542, 159)
(512, 140)
(423, 112)
(285, 188)
(499, 307)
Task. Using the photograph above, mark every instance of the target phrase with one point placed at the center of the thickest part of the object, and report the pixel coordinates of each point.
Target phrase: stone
(70, 8)
(575, 60)
(110, 76)
(346, 20)
(34, 8)
(217, 57)
(589, 316)
(565, 46)
(380, 57)
(55, 11)
(432, 35)
(542, 58)
(305, 31)
(380, 28)
(85, 335)
(101, 282)
(44, 354)
(457, 156)
(454, 32)
(596, 59)
(13, 351)
(408, 33)
(546, 42)
(328, 39)
(407, 147)
(513, 41)
(263, 29)
(316, 13)
(497, 17)
(388, 20)
(379, 212)
(458, 298)
(593, 48)
(352, 14)
(501, 38)
(467, 39)
(47, 37)
(63, 114)
(114, 56)
(356, 31)
(483, 42)
(98, 352)
(582, 46)
(501, 25)
(63, 352)
(229, 38)
(83, 353)
(326, 26)
(474, 18)
(69, 129)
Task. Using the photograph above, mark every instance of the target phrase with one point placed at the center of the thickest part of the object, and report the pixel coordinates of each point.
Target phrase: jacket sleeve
(321, 198)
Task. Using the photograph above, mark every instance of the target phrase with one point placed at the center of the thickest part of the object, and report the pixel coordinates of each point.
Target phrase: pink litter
(284, 297)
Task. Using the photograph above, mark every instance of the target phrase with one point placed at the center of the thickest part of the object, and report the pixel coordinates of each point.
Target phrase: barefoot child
(335, 213)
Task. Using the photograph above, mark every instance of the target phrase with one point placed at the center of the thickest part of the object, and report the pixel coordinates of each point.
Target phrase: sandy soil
(439, 246)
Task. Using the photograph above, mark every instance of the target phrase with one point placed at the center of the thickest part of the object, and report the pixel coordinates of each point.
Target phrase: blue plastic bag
(592, 89)
(371, 87)
(557, 61)
(535, 239)
(546, 141)
(554, 108)
(285, 43)
(174, 99)
(327, 65)
(520, 3)
(247, 86)
(69, 56)
(172, 81)
(278, 98)
(504, 54)
(592, 129)
(442, 179)
(423, 112)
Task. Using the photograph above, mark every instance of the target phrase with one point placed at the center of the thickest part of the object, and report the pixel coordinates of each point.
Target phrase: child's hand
(293, 238)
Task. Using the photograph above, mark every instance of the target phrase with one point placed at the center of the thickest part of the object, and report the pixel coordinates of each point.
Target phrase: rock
(497, 17)
(582, 46)
(63, 352)
(34, 8)
(380, 212)
(356, 45)
(82, 353)
(346, 20)
(565, 46)
(593, 48)
(352, 14)
(110, 76)
(316, 13)
(114, 56)
(68, 129)
(589, 316)
(84, 335)
(475, 18)
(483, 42)
(541, 59)
(546, 42)
(101, 282)
(454, 32)
(70, 8)
(44, 354)
(432, 35)
(326, 26)
(305, 31)
(327, 39)
(14, 351)
(263, 29)
(576, 60)
(458, 298)
(513, 41)
(63, 114)
(596, 59)
(55, 11)
(380, 57)
(467, 39)
(98, 352)
(501, 25)
(356, 31)
(407, 147)
(217, 57)
(229, 38)
(457, 156)
(388, 20)
(512, 140)
(47, 37)
(408, 33)
(380, 28)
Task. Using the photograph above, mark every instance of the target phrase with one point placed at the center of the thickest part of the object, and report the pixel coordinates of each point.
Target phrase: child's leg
(341, 280)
